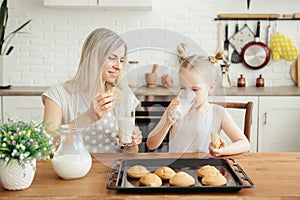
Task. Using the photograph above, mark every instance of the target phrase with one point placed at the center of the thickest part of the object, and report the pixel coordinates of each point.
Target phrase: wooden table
(275, 175)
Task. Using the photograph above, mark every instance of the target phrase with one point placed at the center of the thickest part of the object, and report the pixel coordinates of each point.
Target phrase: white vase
(14, 176)
(3, 71)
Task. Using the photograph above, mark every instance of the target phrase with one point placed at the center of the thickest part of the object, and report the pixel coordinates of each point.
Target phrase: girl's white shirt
(194, 134)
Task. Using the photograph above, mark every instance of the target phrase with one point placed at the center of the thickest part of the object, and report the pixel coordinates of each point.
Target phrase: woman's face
(191, 80)
(113, 65)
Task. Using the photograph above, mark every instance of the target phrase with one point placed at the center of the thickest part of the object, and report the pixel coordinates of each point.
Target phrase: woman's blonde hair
(99, 44)
(205, 66)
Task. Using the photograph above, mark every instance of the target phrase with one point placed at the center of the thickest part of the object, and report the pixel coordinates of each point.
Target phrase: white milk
(71, 166)
(126, 127)
(176, 113)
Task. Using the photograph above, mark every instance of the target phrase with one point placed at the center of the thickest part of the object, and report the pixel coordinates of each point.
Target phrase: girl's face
(191, 80)
(113, 65)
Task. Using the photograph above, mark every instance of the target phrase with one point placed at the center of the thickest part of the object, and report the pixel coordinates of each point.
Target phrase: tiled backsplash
(49, 52)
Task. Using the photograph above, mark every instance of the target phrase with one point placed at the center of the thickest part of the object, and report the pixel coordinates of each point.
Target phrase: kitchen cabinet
(1, 116)
(279, 124)
(73, 3)
(236, 115)
(23, 107)
(101, 4)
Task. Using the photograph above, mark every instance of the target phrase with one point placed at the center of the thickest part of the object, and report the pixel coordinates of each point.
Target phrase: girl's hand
(217, 152)
(102, 104)
(169, 120)
(137, 136)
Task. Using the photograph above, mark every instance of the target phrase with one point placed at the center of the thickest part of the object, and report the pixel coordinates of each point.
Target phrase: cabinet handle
(265, 118)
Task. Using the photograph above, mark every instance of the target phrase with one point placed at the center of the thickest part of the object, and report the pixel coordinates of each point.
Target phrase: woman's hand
(217, 152)
(169, 120)
(136, 140)
(102, 104)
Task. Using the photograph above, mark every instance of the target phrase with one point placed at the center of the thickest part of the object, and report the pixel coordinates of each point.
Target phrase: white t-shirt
(99, 136)
(194, 134)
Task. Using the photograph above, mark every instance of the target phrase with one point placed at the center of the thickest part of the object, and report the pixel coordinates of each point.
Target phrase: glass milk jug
(71, 160)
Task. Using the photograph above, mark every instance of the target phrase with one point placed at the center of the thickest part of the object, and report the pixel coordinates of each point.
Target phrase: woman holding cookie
(193, 132)
(89, 98)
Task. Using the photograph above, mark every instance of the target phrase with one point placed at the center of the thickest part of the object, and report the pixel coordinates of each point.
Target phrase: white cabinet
(236, 115)
(23, 107)
(73, 3)
(279, 124)
(1, 116)
(101, 4)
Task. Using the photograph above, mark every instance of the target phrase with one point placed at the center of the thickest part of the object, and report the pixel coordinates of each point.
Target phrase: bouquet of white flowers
(24, 141)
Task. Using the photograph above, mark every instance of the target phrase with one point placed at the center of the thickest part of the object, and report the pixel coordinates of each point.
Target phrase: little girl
(193, 132)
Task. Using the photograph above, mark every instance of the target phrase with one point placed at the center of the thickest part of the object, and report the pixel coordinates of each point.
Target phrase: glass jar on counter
(133, 76)
(71, 160)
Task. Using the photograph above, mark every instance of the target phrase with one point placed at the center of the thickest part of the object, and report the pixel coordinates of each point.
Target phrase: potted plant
(5, 47)
(21, 143)
(5, 40)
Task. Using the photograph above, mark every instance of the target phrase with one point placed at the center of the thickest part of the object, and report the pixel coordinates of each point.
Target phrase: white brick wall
(50, 51)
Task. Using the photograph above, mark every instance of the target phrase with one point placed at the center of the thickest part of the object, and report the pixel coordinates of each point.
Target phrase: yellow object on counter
(283, 47)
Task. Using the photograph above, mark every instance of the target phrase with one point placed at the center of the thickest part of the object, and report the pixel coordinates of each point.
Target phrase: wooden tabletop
(171, 91)
(275, 175)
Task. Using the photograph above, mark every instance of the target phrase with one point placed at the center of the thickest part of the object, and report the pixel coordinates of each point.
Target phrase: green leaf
(3, 22)
(18, 29)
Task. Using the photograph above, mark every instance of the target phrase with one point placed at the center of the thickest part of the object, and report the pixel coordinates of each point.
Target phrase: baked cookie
(182, 179)
(137, 171)
(116, 94)
(214, 179)
(150, 179)
(165, 173)
(215, 140)
(211, 176)
(206, 169)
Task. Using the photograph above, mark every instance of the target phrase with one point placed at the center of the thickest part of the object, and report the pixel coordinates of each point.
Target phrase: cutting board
(295, 71)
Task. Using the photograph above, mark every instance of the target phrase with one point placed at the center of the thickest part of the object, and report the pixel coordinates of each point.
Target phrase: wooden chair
(248, 114)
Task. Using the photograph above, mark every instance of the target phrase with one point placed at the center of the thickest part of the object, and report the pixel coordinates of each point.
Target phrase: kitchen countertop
(23, 91)
(275, 175)
(162, 91)
(232, 91)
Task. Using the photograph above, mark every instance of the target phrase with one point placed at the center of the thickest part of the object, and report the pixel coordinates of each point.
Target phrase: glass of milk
(186, 98)
(71, 160)
(126, 123)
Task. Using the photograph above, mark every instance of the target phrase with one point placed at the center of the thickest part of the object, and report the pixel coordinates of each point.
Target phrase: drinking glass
(126, 123)
(186, 98)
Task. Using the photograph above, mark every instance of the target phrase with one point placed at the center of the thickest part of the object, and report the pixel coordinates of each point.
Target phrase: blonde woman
(87, 100)
(193, 132)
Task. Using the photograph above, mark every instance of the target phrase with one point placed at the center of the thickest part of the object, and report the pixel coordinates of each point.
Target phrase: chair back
(248, 114)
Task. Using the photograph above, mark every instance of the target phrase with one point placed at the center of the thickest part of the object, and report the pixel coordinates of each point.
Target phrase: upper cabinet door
(126, 4)
(73, 3)
(101, 4)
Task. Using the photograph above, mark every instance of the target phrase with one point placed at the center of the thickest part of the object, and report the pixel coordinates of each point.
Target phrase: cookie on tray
(211, 176)
(182, 179)
(137, 171)
(214, 179)
(150, 179)
(206, 169)
(165, 173)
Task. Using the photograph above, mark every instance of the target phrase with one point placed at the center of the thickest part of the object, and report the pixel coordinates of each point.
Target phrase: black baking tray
(235, 175)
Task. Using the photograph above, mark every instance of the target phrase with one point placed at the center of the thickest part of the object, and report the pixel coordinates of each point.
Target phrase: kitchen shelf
(255, 19)
(268, 17)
